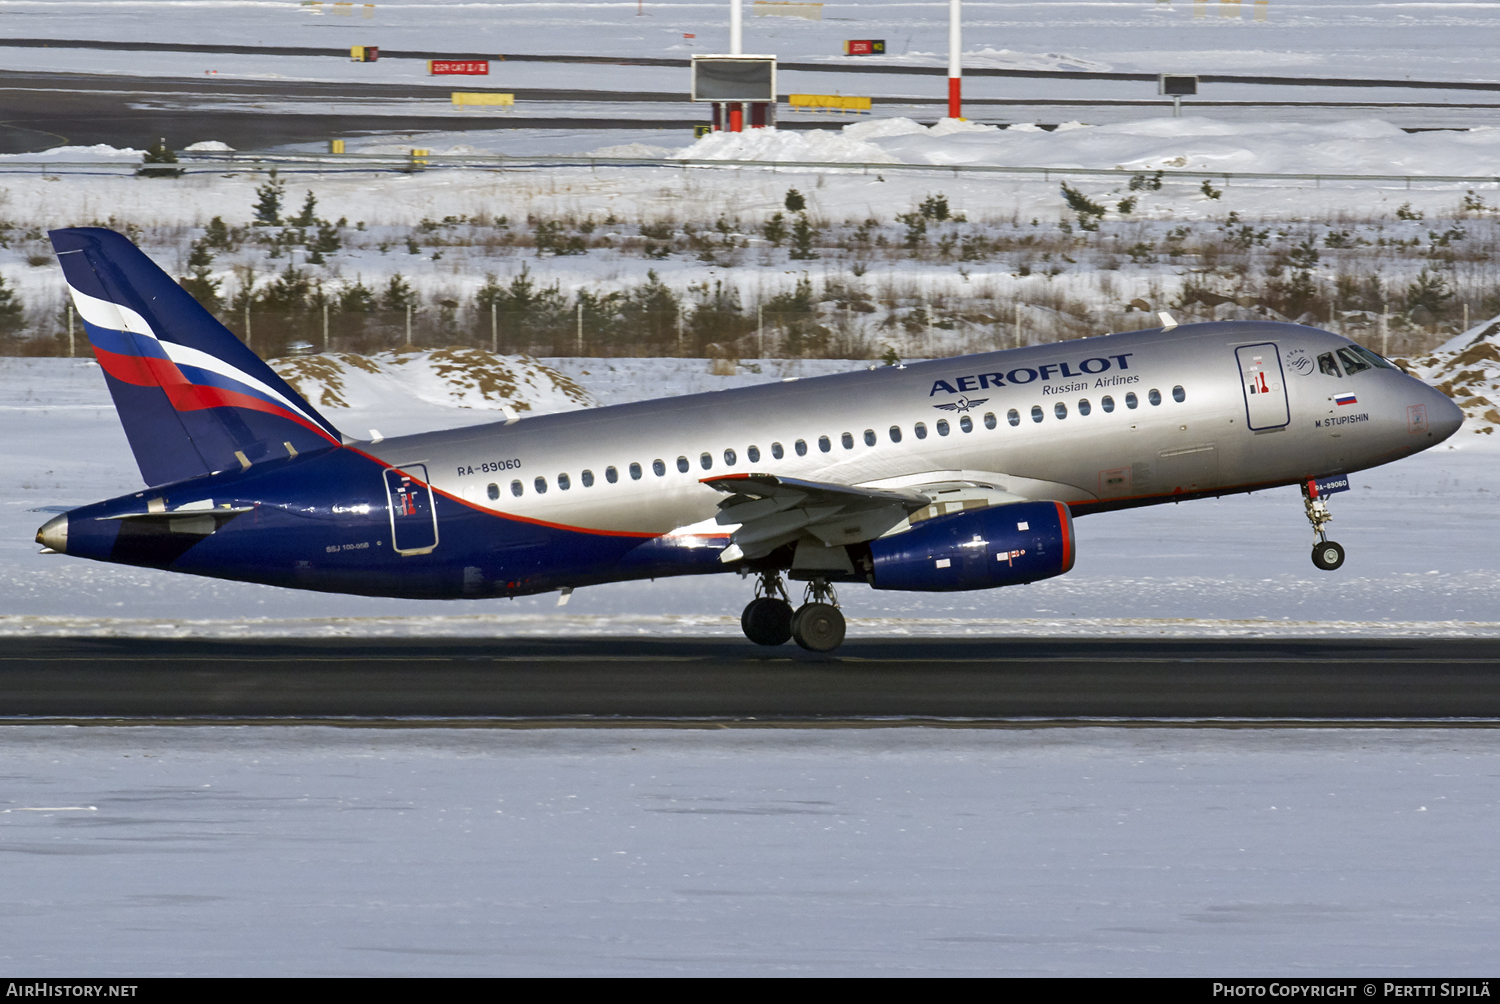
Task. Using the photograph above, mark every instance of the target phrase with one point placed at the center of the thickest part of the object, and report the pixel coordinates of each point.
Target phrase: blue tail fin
(192, 397)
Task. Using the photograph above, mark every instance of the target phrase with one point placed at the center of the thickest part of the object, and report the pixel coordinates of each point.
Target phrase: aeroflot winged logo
(962, 404)
(1087, 374)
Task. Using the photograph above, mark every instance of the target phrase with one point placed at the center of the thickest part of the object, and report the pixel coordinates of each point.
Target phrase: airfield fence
(386, 163)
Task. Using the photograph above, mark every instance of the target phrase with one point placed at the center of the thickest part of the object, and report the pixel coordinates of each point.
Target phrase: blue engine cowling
(1001, 545)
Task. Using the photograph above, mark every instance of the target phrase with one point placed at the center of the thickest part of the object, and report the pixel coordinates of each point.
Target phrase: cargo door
(1264, 386)
(414, 527)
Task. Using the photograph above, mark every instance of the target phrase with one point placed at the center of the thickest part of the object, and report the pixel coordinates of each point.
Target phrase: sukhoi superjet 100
(954, 474)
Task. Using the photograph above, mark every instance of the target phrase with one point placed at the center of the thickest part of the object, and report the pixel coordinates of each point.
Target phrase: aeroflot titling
(1025, 375)
(805, 487)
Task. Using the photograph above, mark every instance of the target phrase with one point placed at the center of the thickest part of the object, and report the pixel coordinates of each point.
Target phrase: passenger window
(493, 491)
(989, 420)
(1013, 417)
(564, 482)
(920, 430)
(1060, 410)
(730, 458)
(824, 444)
(942, 427)
(540, 484)
(1084, 407)
(683, 465)
(1130, 400)
(1327, 366)
(587, 477)
(1107, 403)
(610, 474)
(1178, 394)
(754, 454)
(1036, 413)
(659, 468)
(1352, 362)
(516, 489)
(1154, 396)
(869, 437)
(635, 472)
(895, 433)
(777, 451)
(705, 461)
(801, 447)
(966, 423)
(847, 440)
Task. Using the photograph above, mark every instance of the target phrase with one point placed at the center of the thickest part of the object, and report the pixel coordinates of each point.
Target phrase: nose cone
(1443, 416)
(54, 534)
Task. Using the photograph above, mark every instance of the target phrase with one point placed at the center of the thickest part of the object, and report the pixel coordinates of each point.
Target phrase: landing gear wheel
(818, 627)
(767, 621)
(1327, 555)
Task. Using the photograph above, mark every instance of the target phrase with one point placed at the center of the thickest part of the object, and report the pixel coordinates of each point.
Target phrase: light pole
(736, 110)
(955, 62)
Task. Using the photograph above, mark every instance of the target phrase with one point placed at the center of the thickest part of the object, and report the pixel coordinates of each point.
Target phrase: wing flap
(770, 511)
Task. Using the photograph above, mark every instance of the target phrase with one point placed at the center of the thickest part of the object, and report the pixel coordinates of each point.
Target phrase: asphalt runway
(342, 53)
(730, 680)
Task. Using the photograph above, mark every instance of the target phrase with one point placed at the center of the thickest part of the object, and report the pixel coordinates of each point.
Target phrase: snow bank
(1467, 369)
(78, 154)
(777, 145)
(454, 377)
(1360, 146)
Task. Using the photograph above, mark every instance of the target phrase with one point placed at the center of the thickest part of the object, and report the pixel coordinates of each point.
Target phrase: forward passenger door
(1264, 385)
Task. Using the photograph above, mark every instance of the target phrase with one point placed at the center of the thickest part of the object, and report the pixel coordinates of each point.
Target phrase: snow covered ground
(393, 221)
(157, 851)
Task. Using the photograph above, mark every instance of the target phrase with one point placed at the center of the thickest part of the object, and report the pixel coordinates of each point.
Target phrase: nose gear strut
(1326, 554)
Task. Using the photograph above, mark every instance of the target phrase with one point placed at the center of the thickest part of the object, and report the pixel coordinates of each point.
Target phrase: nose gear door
(414, 528)
(1264, 385)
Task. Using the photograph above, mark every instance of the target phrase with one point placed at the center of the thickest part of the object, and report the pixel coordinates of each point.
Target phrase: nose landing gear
(1326, 554)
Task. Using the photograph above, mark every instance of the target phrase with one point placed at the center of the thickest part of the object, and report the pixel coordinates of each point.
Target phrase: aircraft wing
(771, 511)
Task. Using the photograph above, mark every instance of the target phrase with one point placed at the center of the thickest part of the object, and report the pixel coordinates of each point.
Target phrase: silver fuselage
(1219, 438)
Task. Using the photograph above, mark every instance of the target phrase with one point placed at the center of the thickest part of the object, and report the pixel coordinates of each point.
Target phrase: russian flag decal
(1345, 399)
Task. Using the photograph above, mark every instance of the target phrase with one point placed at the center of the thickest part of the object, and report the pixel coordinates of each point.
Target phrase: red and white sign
(459, 67)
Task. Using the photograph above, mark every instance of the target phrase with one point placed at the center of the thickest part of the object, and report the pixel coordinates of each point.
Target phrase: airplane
(952, 474)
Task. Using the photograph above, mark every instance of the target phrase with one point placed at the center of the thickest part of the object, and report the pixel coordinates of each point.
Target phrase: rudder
(192, 397)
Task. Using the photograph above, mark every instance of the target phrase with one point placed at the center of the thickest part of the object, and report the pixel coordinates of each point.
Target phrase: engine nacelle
(1001, 545)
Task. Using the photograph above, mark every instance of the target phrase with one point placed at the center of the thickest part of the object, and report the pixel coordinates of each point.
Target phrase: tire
(1328, 555)
(818, 627)
(767, 621)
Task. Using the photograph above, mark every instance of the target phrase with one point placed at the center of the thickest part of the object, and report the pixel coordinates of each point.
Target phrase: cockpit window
(1327, 364)
(1352, 361)
(1373, 359)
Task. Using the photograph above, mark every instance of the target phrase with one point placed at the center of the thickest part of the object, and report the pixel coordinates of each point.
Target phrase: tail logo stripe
(105, 314)
(113, 317)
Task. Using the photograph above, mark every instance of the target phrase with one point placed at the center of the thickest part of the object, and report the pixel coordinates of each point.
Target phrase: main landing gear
(767, 619)
(1326, 554)
(817, 625)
